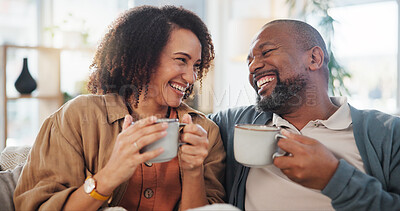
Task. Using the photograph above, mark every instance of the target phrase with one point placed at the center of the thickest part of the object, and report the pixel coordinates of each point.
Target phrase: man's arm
(350, 189)
(314, 166)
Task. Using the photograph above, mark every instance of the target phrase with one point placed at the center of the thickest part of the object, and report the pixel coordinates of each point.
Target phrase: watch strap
(96, 195)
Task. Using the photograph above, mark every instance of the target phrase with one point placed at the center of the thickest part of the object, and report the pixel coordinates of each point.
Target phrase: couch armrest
(8, 182)
(13, 156)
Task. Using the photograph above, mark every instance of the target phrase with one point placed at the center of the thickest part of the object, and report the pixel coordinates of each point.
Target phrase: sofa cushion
(12, 160)
(13, 156)
(8, 182)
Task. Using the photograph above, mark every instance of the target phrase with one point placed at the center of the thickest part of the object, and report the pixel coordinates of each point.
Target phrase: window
(18, 18)
(365, 43)
(73, 26)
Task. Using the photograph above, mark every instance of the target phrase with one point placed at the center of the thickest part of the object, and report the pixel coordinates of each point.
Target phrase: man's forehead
(264, 40)
(271, 35)
(273, 30)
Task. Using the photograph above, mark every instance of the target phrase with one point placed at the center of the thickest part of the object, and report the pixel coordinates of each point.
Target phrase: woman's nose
(190, 75)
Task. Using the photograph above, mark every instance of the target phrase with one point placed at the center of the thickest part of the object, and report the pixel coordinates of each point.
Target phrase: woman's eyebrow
(183, 53)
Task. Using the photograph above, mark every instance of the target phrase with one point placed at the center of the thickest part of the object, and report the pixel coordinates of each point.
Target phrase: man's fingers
(283, 162)
(289, 145)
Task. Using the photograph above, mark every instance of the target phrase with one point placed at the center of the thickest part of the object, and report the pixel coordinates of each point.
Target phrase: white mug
(256, 145)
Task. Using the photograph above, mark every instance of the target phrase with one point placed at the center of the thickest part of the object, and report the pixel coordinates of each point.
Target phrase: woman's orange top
(155, 186)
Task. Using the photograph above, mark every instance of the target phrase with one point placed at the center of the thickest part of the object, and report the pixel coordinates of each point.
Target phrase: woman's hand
(192, 155)
(125, 156)
(195, 150)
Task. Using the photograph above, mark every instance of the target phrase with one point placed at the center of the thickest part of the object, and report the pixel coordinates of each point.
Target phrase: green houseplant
(319, 8)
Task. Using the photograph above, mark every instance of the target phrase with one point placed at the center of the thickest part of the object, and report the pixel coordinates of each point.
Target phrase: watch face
(89, 185)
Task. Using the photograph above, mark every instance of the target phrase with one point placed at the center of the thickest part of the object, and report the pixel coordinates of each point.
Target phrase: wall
(233, 24)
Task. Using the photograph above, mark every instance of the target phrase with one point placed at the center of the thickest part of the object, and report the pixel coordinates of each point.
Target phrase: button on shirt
(269, 189)
(154, 186)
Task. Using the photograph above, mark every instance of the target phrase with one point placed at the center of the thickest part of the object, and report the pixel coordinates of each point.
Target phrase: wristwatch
(90, 188)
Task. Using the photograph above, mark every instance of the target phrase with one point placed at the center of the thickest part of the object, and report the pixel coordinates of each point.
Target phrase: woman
(144, 67)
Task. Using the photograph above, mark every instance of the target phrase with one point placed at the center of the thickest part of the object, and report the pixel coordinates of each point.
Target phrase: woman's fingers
(126, 154)
(127, 122)
(193, 153)
(187, 119)
(137, 131)
(140, 124)
(149, 155)
(199, 150)
(189, 162)
(193, 134)
(149, 138)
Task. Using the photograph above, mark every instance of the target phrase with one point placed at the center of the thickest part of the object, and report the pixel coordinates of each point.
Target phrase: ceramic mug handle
(280, 152)
(182, 125)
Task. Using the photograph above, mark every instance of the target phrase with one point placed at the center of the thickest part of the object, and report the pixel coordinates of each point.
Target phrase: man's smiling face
(277, 70)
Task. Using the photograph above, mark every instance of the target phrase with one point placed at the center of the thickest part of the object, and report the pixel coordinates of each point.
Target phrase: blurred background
(59, 38)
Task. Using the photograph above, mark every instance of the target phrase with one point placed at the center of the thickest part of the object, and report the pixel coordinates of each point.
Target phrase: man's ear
(316, 58)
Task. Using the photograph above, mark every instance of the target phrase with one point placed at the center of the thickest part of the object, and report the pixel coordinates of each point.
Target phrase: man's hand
(311, 164)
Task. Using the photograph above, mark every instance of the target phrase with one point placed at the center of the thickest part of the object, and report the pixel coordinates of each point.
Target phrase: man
(341, 158)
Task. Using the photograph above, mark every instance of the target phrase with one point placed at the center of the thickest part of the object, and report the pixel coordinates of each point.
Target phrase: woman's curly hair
(130, 51)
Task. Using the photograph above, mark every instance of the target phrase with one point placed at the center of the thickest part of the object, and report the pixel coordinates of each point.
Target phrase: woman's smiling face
(177, 70)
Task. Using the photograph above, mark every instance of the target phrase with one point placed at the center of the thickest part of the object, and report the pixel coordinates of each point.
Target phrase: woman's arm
(53, 175)
(192, 157)
(123, 162)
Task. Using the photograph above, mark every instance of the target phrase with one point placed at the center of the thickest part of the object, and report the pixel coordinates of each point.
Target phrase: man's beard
(286, 96)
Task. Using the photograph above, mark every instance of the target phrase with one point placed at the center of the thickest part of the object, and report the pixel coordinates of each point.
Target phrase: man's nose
(255, 65)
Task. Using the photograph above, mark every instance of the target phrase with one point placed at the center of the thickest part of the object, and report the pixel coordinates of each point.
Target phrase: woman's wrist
(104, 186)
(194, 173)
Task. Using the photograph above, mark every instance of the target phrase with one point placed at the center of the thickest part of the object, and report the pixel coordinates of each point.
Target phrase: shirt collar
(339, 120)
(115, 106)
(278, 121)
(185, 109)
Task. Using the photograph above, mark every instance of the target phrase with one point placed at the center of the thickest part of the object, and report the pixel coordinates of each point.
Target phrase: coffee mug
(256, 145)
(170, 142)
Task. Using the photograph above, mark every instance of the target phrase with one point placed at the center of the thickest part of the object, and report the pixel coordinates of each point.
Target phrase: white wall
(233, 24)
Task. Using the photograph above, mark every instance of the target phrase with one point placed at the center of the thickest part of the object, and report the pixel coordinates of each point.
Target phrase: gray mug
(170, 142)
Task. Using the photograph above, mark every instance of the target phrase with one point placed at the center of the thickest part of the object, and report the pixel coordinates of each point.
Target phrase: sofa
(12, 160)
